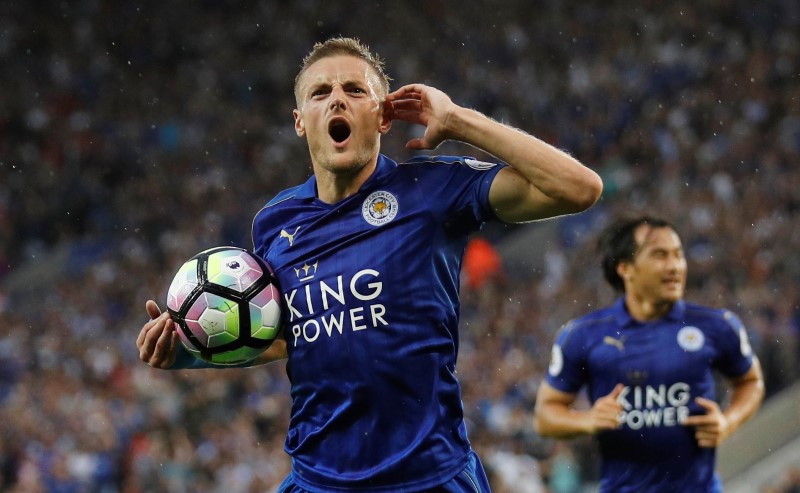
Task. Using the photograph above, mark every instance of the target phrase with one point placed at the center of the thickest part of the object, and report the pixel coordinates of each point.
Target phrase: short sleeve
(567, 369)
(458, 186)
(735, 355)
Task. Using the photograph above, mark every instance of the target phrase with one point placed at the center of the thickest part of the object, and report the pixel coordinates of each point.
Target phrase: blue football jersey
(664, 365)
(370, 287)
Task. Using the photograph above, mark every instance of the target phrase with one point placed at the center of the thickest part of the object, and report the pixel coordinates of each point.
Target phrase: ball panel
(233, 269)
(265, 317)
(265, 333)
(196, 329)
(182, 285)
(271, 314)
(213, 321)
(249, 278)
(188, 344)
(197, 307)
(251, 262)
(236, 356)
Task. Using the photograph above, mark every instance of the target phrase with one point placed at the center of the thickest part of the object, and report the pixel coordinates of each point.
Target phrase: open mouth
(339, 131)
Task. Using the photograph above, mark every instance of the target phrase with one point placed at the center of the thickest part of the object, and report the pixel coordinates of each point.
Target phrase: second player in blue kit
(648, 363)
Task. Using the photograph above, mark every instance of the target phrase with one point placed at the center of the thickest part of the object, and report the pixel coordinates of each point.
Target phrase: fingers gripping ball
(226, 305)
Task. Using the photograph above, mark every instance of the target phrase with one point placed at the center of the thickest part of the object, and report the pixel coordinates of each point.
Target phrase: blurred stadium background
(135, 134)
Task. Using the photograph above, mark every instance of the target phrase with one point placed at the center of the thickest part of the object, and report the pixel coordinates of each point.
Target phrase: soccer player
(648, 362)
(368, 254)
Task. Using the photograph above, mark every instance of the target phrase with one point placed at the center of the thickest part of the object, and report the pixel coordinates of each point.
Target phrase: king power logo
(654, 406)
(320, 309)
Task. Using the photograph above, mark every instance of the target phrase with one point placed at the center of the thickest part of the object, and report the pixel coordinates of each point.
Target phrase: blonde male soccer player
(368, 254)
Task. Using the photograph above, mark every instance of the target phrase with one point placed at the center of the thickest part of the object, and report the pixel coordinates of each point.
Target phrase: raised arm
(542, 181)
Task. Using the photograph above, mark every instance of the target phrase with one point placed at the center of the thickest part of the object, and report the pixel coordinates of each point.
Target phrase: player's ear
(623, 270)
(386, 117)
(299, 126)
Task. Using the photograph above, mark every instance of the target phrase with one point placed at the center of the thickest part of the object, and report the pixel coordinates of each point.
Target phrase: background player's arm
(713, 427)
(160, 347)
(554, 415)
(542, 181)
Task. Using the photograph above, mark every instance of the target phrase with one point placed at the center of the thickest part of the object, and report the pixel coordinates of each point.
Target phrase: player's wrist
(586, 423)
(466, 125)
(183, 359)
(727, 426)
(186, 360)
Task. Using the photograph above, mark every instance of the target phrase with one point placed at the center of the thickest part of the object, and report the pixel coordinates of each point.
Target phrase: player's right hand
(427, 106)
(158, 340)
(606, 411)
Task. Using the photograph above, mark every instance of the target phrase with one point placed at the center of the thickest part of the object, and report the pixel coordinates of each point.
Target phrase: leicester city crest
(379, 208)
(691, 338)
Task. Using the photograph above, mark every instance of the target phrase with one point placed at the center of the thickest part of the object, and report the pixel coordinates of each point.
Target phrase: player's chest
(316, 229)
(328, 256)
(673, 352)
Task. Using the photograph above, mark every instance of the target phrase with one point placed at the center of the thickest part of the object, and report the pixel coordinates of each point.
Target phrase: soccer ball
(226, 305)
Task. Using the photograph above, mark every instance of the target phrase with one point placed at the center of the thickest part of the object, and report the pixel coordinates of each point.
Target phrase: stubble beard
(340, 164)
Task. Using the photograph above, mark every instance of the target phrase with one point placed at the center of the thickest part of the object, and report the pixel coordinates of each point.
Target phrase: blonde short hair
(344, 46)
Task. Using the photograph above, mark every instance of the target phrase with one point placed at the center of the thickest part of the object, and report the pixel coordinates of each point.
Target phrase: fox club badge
(691, 338)
(379, 208)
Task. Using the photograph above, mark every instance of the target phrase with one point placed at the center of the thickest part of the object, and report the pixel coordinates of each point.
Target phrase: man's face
(658, 272)
(341, 114)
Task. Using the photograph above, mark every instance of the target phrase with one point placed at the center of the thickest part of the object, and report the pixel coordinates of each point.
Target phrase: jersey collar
(624, 318)
(308, 190)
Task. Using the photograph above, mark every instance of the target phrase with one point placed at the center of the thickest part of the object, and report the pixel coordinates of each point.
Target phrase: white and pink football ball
(226, 305)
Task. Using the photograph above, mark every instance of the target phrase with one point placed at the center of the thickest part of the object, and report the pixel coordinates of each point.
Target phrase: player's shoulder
(283, 196)
(279, 202)
(592, 324)
(707, 317)
(425, 160)
(597, 318)
(435, 169)
(273, 212)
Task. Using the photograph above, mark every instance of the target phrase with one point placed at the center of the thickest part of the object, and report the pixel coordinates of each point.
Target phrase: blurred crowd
(135, 134)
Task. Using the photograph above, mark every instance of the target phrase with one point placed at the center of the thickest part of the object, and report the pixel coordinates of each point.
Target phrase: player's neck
(646, 310)
(330, 193)
(335, 186)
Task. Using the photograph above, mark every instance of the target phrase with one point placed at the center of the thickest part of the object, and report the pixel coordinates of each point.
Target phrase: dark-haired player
(368, 255)
(648, 362)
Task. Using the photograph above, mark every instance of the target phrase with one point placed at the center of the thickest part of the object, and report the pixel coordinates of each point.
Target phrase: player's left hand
(423, 105)
(711, 428)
